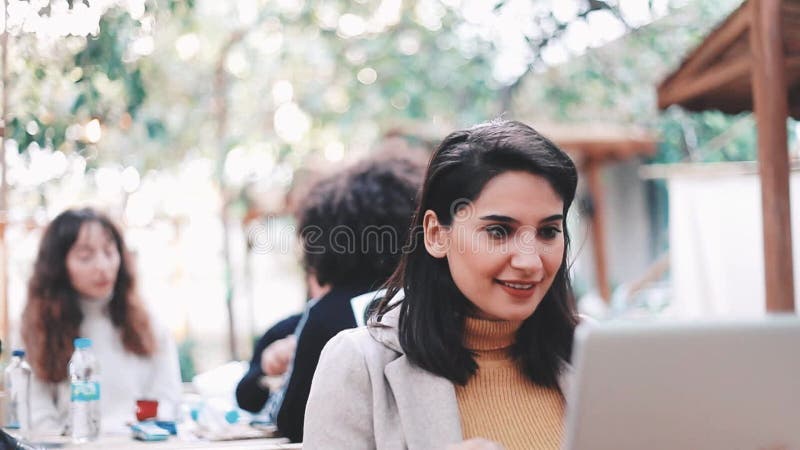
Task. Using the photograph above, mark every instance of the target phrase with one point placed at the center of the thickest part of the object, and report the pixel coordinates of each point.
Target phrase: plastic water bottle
(84, 392)
(17, 380)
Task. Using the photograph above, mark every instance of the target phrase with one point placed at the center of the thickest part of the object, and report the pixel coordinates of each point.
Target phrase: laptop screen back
(697, 385)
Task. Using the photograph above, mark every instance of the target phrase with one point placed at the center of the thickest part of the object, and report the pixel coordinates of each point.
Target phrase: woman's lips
(517, 288)
(103, 284)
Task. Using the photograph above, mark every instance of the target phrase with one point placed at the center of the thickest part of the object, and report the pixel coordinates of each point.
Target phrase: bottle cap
(82, 342)
(232, 416)
(18, 352)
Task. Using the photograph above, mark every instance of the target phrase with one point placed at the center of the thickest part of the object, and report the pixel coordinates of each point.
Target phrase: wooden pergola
(594, 146)
(751, 62)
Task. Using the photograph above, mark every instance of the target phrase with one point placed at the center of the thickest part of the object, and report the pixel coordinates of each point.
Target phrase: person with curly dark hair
(476, 353)
(352, 226)
(83, 285)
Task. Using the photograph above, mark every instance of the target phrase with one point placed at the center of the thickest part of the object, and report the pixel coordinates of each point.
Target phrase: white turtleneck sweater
(124, 377)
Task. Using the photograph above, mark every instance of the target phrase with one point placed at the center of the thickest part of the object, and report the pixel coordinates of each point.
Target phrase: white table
(119, 442)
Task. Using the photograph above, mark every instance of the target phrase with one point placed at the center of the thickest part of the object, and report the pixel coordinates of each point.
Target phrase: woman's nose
(528, 260)
(103, 263)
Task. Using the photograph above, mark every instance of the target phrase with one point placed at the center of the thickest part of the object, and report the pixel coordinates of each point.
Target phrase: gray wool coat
(367, 395)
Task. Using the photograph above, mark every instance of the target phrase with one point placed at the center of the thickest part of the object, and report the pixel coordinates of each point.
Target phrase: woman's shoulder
(584, 319)
(165, 342)
(360, 343)
(359, 339)
(158, 327)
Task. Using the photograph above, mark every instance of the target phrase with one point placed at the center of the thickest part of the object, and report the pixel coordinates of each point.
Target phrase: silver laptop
(686, 385)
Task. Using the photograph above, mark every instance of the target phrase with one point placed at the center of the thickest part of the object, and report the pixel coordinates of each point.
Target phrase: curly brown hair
(52, 316)
(353, 224)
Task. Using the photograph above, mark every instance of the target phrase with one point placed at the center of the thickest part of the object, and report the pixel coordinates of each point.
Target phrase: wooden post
(593, 168)
(770, 102)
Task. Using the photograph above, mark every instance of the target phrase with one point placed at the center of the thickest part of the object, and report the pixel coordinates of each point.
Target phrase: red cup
(146, 409)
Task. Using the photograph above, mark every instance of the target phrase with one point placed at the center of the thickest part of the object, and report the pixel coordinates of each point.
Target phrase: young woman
(82, 285)
(475, 354)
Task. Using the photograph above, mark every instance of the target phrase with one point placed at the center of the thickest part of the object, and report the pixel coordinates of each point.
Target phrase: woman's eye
(549, 233)
(497, 231)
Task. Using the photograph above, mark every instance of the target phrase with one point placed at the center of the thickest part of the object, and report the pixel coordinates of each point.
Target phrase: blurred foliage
(61, 82)
(102, 61)
(616, 84)
(147, 74)
(149, 77)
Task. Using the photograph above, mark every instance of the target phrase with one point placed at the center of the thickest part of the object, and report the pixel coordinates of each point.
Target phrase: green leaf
(135, 89)
(155, 129)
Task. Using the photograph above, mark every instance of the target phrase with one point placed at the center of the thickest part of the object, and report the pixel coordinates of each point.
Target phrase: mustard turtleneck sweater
(499, 402)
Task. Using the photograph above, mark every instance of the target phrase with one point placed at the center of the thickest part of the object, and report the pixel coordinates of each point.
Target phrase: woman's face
(505, 248)
(93, 262)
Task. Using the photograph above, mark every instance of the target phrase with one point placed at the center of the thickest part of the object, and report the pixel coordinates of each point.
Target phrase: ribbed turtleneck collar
(489, 335)
(92, 307)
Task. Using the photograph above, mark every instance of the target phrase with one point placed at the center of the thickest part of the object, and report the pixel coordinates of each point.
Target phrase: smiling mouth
(519, 286)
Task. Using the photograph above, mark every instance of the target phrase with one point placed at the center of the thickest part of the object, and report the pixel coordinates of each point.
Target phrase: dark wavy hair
(432, 314)
(52, 317)
(353, 225)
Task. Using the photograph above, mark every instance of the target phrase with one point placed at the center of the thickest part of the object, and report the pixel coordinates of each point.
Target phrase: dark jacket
(330, 315)
(250, 394)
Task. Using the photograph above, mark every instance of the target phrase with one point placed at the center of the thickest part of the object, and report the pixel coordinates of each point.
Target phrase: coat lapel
(565, 380)
(426, 404)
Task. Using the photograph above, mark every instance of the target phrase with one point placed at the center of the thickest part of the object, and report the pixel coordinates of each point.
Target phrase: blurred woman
(82, 285)
(475, 354)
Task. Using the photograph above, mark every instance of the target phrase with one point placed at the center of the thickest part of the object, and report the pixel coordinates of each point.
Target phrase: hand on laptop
(476, 444)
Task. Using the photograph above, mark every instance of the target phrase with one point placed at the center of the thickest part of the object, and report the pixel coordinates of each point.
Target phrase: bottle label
(84, 391)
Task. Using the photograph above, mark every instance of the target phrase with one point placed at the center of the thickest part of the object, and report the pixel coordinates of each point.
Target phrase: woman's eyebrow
(499, 218)
(553, 218)
(507, 219)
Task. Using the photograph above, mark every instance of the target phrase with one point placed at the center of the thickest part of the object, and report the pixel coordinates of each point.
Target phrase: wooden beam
(717, 42)
(593, 167)
(713, 77)
(770, 100)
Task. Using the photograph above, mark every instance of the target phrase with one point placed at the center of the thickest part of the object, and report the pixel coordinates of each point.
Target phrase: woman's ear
(437, 236)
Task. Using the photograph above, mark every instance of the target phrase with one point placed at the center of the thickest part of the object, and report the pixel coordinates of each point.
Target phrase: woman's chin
(510, 314)
(97, 295)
